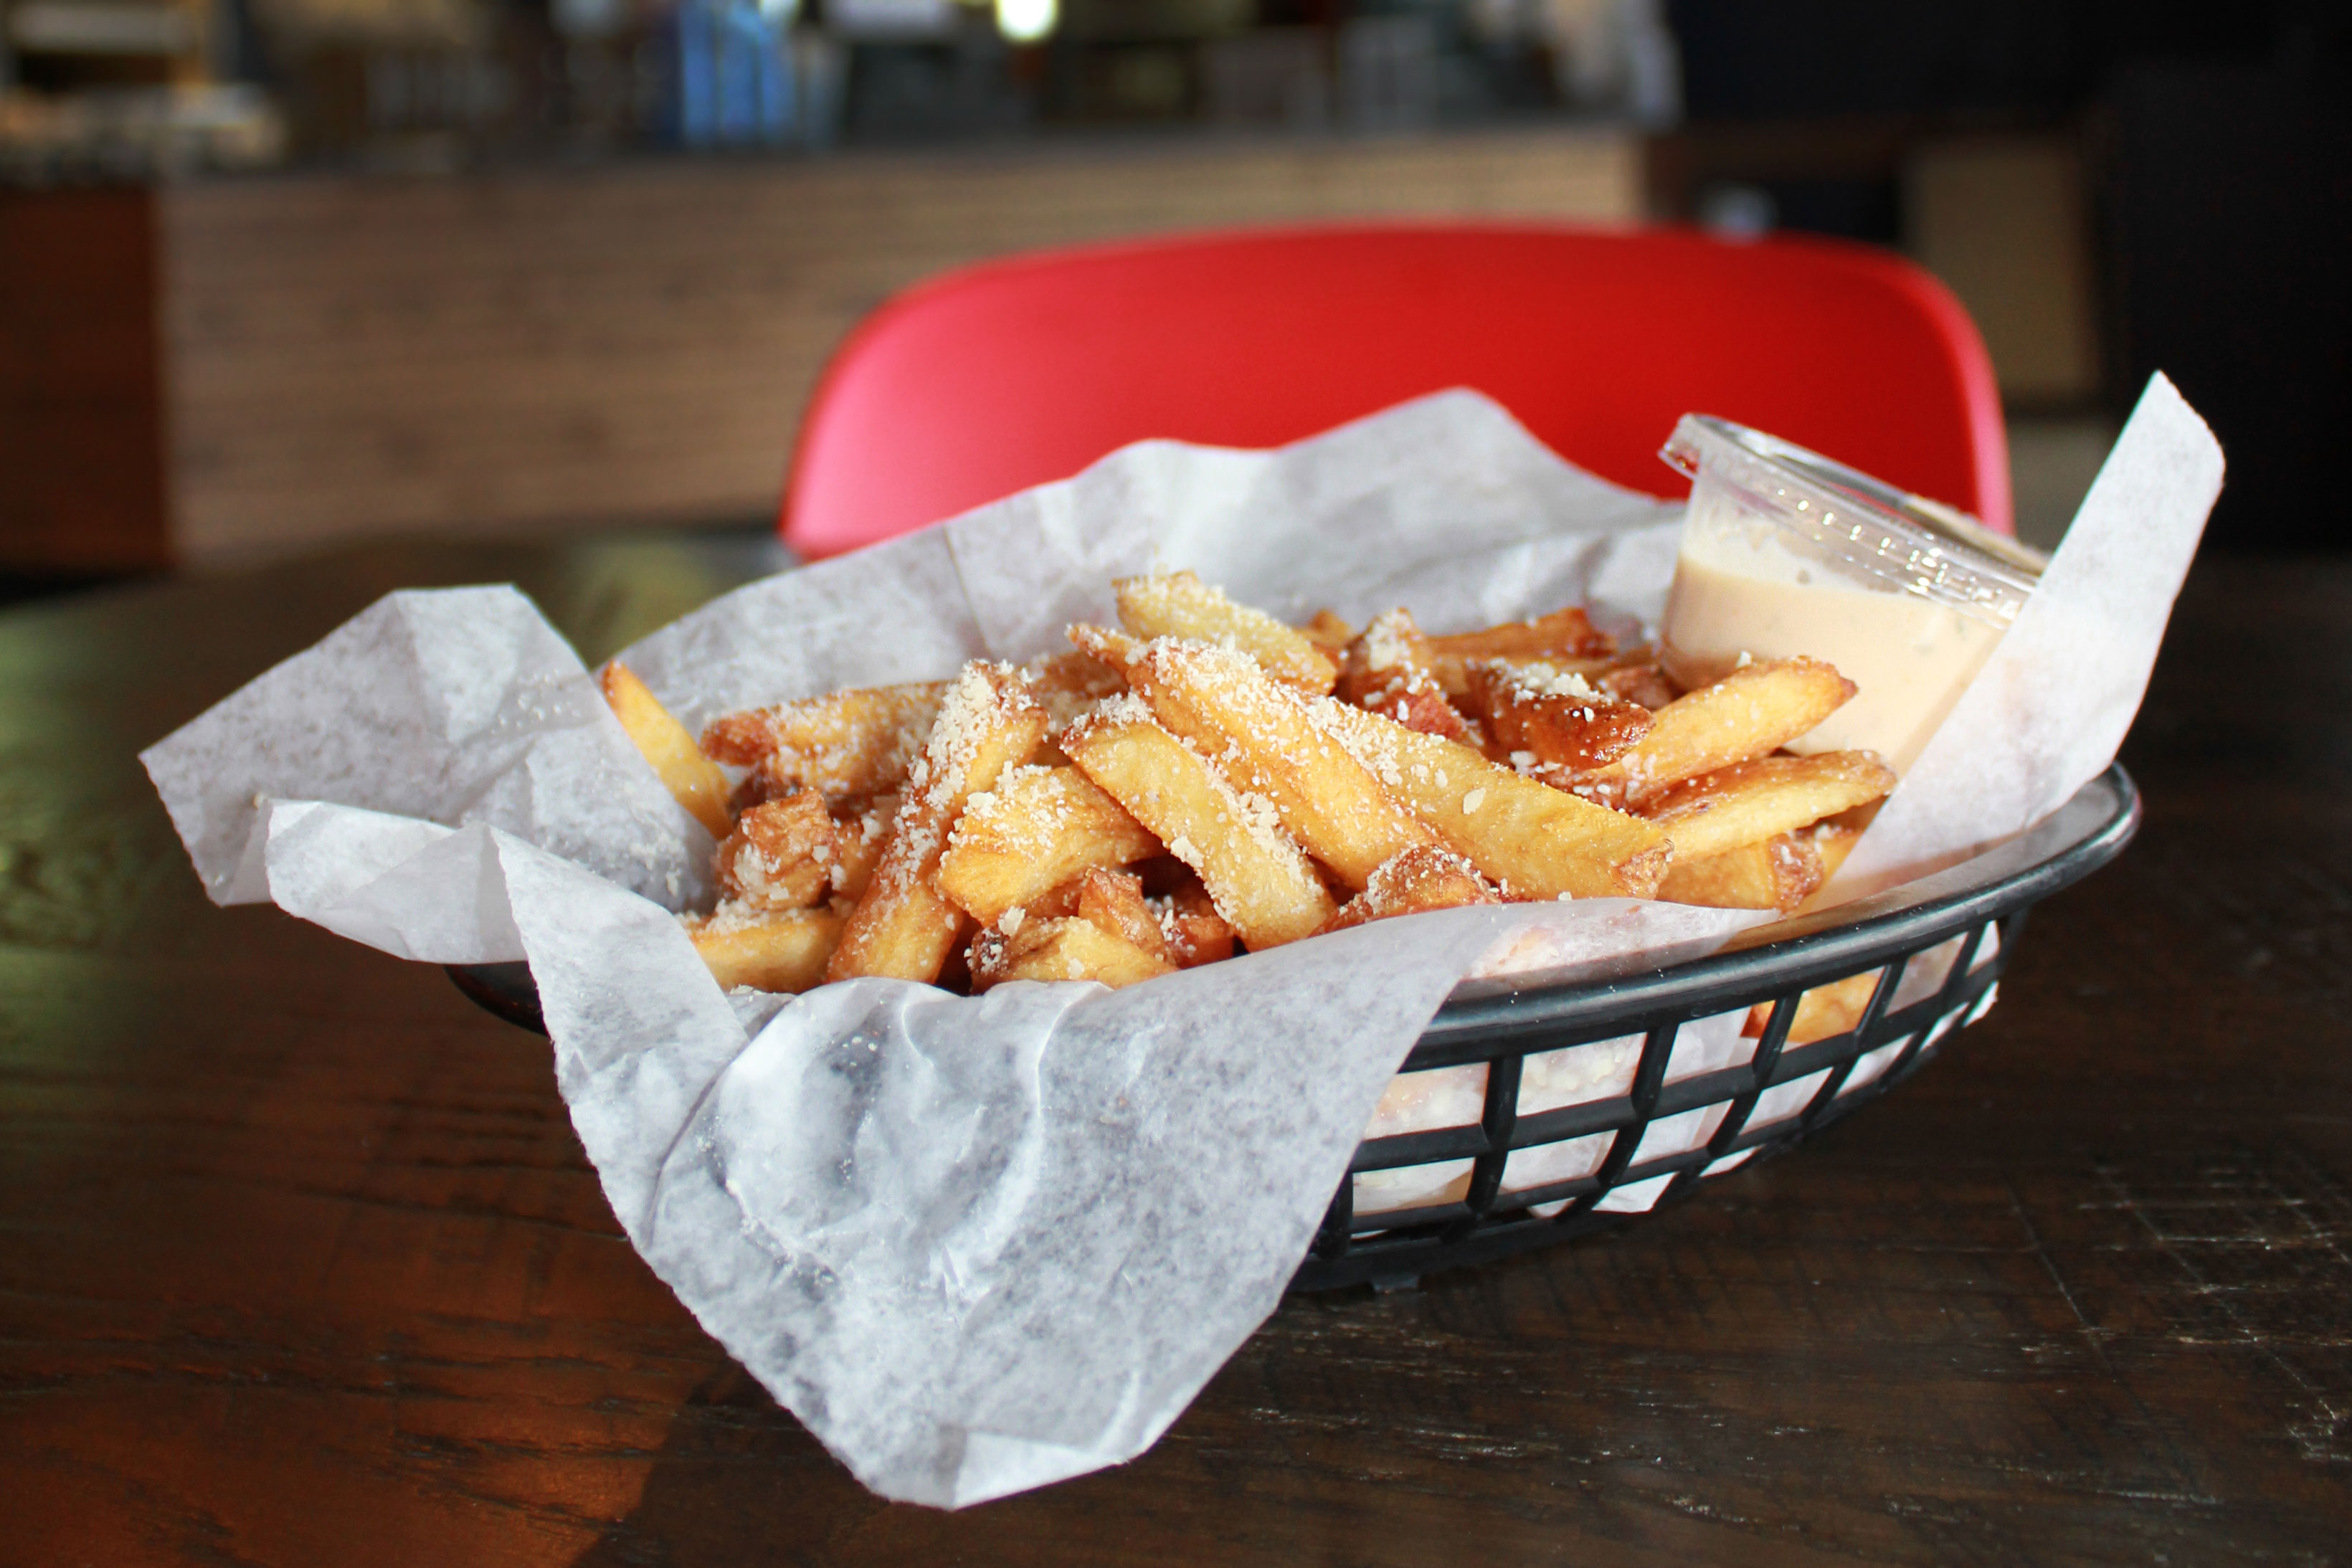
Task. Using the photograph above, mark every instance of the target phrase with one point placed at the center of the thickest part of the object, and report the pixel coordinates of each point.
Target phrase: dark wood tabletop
(303, 1264)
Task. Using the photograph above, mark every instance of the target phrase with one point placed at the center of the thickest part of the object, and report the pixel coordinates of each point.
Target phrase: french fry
(1115, 651)
(778, 950)
(845, 746)
(1751, 801)
(1208, 777)
(781, 855)
(1196, 933)
(1256, 874)
(1179, 604)
(1070, 948)
(903, 926)
(1067, 685)
(1563, 634)
(1750, 712)
(1833, 841)
(1643, 681)
(1037, 828)
(1054, 904)
(1821, 1012)
(1779, 872)
(1264, 737)
(1533, 841)
(1114, 900)
(862, 831)
(1550, 721)
(1046, 753)
(1328, 630)
(1388, 671)
(693, 778)
(1415, 881)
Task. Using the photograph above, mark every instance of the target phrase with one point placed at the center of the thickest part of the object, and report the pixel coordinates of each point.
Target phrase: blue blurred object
(732, 76)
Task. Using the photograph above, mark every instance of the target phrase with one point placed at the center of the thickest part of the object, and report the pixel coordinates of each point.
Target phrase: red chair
(997, 377)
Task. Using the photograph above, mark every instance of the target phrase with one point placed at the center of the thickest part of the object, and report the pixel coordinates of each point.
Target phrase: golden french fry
(1179, 604)
(1197, 933)
(845, 746)
(862, 833)
(1115, 651)
(1563, 634)
(1388, 671)
(1328, 630)
(1749, 713)
(1263, 735)
(1391, 646)
(1833, 841)
(1037, 828)
(1054, 904)
(1643, 681)
(1067, 685)
(1209, 775)
(774, 950)
(1453, 671)
(693, 778)
(781, 855)
(1531, 840)
(1045, 754)
(904, 926)
(1550, 721)
(1417, 879)
(1751, 801)
(1256, 874)
(1779, 872)
(1070, 948)
(1822, 1011)
(1113, 900)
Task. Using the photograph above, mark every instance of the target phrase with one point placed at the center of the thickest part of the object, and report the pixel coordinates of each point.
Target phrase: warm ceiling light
(1026, 21)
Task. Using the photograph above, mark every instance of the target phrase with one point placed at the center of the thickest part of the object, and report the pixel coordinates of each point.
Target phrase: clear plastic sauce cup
(1786, 552)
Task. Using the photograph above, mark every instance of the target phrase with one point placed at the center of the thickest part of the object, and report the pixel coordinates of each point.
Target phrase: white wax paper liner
(976, 1244)
(2051, 707)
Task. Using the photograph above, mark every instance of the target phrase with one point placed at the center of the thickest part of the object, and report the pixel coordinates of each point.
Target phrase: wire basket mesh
(1532, 1112)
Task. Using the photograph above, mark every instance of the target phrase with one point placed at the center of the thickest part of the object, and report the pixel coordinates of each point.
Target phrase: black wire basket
(1530, 1112)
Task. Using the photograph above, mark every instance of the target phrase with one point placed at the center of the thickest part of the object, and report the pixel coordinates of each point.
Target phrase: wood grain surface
(302, 1263)
(82, 484)
(351, 356)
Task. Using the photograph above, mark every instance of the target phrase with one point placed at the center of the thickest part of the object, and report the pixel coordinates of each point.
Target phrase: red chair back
(997, 377)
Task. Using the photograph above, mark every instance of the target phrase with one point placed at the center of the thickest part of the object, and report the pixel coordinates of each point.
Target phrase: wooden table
(303, 1264)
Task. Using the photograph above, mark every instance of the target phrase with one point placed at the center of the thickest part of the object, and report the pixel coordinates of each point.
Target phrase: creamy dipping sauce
(1738, 590)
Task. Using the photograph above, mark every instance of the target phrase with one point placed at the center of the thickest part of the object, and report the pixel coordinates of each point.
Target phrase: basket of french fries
(987, 970)
(1202, 779)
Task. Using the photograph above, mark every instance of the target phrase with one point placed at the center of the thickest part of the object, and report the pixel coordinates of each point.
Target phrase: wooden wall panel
(357, 356)
(81, 434)
(2001, 220)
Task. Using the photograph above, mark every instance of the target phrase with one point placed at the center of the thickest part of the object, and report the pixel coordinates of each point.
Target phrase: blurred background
(277, 275)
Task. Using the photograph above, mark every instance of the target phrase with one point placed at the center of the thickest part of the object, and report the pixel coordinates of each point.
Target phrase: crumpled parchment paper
(981, 1244)
(2050, 708)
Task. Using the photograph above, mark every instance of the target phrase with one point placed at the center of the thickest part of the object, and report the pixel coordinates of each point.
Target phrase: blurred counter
(211, 370)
